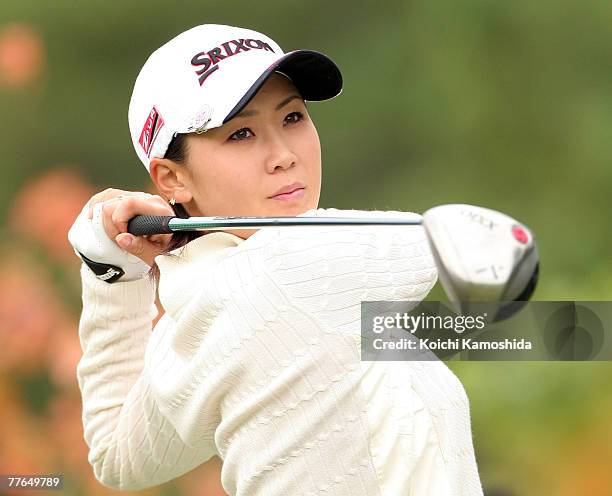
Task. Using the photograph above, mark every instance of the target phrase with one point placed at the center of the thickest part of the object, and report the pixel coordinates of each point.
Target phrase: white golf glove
(100, 253)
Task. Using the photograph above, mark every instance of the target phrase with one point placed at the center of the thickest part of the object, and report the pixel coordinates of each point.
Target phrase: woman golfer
(256, 358)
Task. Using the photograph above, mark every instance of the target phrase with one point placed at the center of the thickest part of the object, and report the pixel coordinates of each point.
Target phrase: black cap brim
(314, 75)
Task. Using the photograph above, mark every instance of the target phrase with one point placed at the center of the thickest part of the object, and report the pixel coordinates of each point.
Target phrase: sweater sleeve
(131, 444)
(335, 268)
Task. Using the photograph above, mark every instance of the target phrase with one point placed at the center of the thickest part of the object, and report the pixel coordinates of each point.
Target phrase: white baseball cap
(205, 76)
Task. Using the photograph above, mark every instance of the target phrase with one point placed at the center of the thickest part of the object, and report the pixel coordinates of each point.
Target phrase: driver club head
(484, 257)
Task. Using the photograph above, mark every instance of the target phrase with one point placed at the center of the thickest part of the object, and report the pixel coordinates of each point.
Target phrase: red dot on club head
(520, 234)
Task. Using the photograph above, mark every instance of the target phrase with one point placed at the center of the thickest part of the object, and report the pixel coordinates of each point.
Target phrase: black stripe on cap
(314, 75)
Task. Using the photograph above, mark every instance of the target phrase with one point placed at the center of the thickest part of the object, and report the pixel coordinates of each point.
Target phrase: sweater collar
(181, 269)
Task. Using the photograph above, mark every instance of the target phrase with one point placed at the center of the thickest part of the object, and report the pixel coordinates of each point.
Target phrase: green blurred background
(496, 103)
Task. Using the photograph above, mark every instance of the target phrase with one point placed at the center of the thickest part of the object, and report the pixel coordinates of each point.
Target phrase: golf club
(482, 256)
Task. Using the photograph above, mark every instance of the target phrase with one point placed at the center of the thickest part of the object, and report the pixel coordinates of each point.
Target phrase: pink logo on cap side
(150, 130)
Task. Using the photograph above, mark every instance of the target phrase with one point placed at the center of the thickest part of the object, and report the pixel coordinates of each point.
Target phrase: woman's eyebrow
(286, 101)
(249, 113)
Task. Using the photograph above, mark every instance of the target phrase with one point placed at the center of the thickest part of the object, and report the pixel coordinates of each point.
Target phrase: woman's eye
(241, 134)
(294, 117)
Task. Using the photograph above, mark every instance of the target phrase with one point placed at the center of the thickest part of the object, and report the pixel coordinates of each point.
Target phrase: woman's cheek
(314, 148)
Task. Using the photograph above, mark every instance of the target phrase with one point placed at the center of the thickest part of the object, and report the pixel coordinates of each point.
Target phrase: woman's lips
(289, 192)
(293, 195)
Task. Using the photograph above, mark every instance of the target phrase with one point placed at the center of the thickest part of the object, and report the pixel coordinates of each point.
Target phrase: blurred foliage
(502, 104)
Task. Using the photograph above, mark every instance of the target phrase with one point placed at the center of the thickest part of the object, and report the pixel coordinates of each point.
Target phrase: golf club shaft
(143, 225)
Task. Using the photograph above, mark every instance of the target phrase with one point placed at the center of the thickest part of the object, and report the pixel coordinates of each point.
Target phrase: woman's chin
(289, 208)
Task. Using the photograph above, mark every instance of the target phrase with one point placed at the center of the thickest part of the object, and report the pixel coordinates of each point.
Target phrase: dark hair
(177, 149)
(177, 152)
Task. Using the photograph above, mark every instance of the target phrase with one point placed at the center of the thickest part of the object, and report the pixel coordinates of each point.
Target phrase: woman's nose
(280, 154)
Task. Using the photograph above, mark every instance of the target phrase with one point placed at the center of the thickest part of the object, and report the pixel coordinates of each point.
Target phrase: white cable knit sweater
(257, 359)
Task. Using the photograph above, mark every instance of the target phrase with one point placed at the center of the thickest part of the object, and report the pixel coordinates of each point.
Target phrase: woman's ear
(170, 179)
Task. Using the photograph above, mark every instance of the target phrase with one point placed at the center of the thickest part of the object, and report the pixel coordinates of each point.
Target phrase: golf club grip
(144, 225)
